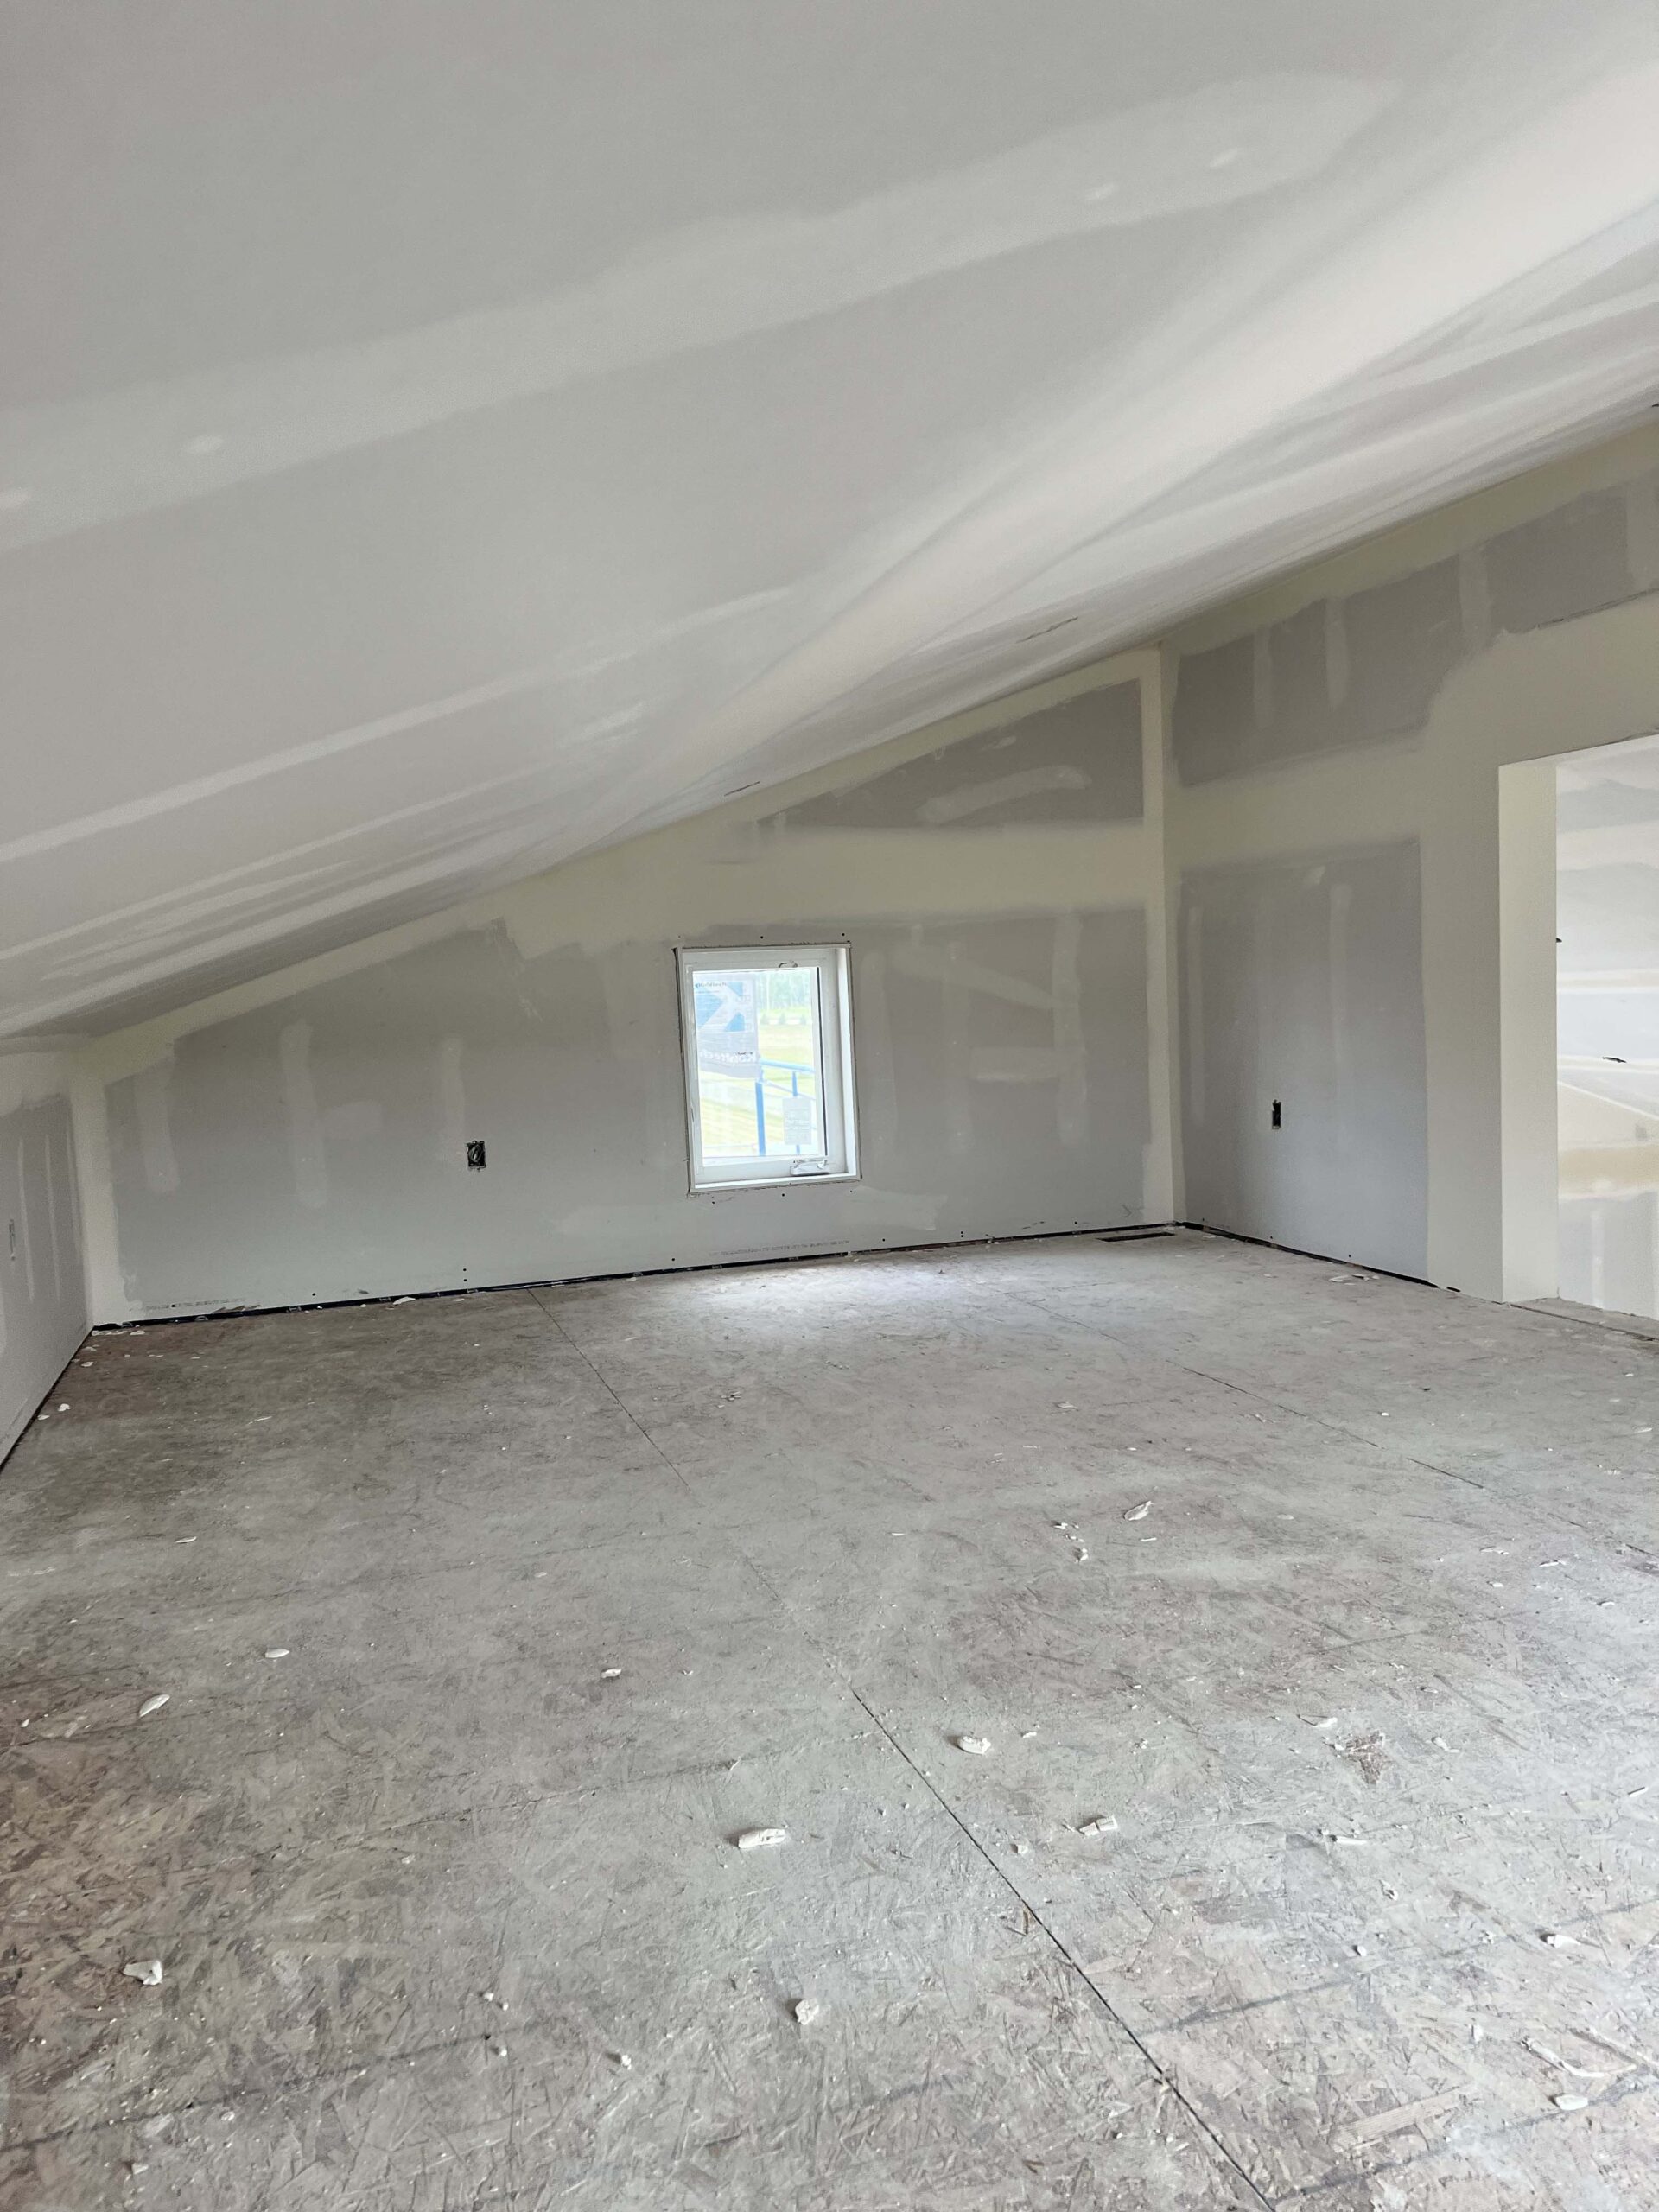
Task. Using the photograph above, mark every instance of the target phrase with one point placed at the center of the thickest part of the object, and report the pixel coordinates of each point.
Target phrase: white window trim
(840, 1163)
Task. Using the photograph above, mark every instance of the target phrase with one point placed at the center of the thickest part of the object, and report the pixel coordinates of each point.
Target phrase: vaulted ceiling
(437, 439)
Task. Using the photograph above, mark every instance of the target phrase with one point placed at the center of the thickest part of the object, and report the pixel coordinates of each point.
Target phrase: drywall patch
(1076, 761)
(1335, 673)
(1298, 695)
(1573, 561)
(1022, 1039)
(1404, 639)
(1213, 728)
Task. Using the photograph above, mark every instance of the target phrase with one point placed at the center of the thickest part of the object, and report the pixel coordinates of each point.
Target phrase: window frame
(839, 1163)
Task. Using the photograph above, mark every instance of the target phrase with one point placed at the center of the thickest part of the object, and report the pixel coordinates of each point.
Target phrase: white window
(768, 1063)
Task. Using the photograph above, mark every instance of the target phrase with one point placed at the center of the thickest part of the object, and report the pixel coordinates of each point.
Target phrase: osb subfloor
(575, 1585)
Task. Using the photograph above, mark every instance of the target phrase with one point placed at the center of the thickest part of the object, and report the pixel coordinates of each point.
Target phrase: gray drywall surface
(1362, 666)
(315, 1149)
(1374, 700)
(43, 1296)
(1302, 983)
(1078, 761)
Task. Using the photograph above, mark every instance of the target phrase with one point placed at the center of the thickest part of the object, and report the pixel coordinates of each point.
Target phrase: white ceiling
(435, 439)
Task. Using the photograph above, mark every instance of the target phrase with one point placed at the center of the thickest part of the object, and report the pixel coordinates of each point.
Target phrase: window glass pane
(759, 1081)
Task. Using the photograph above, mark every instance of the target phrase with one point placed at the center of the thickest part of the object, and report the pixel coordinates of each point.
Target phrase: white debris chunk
(761, 1838)
(1569, 2103)
(277, 1651)
(1559, 1942)
(153, 1704)
(979, 1745)
(148, 1970)
(609, 1674)
(806, 2011)
(1102, 1824)
(620, 2058)
(1139, 1512)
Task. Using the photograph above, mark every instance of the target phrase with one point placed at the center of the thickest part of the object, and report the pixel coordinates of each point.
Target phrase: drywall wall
(43, 1292)
(1303, 1107)
(1370, 704)
(1607, 846)
(999, 883)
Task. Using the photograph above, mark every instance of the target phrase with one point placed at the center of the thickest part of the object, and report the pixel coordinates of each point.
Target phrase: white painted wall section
(42, 1288)
(1608, 1063)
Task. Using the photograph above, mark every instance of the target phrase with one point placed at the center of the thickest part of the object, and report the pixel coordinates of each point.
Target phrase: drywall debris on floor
(806, 2010)
(761, 1838)
(1367, 1752)
(634, 1869)
(979, 1745)
(147, 1971)
(277, 1651)
(153, 1704)
(1139, 1512)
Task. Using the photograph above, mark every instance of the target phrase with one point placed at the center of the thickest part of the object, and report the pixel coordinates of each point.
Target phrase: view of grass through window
(760, 1083)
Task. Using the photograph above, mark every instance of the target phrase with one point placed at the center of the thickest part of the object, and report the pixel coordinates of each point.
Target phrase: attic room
(829, 1106)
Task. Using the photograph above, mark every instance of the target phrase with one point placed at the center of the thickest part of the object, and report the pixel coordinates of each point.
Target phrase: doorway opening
(1607, 1026)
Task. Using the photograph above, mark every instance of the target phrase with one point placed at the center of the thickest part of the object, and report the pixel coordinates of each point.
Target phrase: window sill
(775, 1183)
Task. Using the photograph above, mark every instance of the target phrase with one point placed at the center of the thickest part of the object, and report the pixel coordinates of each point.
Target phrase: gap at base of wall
(634, 1274)
(1301, 1252)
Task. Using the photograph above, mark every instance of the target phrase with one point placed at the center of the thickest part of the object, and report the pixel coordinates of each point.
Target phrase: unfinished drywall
(1303, 1107)
(1607, 846)
(1369, 702)
(304, 1139)
(436, 442)
(1076, 761)
(42, 1292)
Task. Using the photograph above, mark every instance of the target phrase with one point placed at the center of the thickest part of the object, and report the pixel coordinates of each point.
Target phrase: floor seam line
(1063, 1951)
(613, 1393)
(1261, 1397)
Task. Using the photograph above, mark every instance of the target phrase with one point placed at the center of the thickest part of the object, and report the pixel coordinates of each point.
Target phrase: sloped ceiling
(436, 439)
